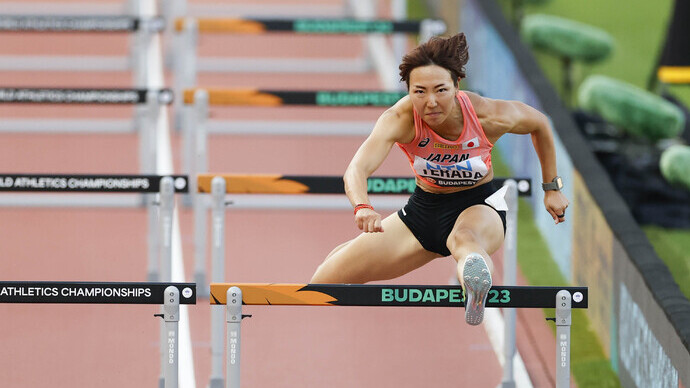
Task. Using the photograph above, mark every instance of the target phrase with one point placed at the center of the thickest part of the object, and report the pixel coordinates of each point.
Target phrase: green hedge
(634, 110)
(566, 38)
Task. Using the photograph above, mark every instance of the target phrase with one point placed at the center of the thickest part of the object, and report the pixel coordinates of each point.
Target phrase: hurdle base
(216, 382)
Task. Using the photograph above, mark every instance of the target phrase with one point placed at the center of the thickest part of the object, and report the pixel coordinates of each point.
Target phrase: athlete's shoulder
(401, 112)
(481, 105)
(402, 107)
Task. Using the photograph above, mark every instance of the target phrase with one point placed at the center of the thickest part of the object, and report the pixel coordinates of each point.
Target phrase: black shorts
(431, 217)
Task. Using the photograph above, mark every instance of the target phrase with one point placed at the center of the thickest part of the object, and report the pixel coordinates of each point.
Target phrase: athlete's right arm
(394, 125)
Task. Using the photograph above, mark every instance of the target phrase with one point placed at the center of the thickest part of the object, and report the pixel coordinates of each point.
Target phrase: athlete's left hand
(556, 203)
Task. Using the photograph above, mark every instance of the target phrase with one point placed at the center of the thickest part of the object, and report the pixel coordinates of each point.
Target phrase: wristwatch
(556, 184)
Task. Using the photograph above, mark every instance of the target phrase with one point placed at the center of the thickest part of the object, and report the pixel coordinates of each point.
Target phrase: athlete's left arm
(499, 117)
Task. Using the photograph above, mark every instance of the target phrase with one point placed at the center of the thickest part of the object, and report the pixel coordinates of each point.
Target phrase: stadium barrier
(220, 185)
(169, 295)
(564, 299)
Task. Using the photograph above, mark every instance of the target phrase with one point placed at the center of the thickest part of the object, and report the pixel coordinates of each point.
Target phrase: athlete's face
(432, 93)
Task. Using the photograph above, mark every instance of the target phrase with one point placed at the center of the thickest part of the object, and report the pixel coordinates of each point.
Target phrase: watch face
(559, 182)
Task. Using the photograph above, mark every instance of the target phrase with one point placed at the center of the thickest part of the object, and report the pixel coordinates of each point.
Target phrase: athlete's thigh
(484, 224)
(377, 256)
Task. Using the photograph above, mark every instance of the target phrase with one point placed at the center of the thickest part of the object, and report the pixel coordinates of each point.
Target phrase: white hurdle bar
(236, 295)
(168, 295)
(265, 184)
(141, 28)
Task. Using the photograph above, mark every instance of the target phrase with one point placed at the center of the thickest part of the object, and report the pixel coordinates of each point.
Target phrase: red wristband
(362, 206)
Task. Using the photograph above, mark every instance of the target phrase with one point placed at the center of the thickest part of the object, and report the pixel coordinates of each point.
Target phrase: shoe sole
(477, 280)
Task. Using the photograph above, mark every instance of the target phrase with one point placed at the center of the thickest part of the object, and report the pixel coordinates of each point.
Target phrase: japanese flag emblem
(472, 143)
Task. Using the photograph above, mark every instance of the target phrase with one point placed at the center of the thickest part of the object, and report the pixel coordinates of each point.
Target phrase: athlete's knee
(462, 237)
(321, 275)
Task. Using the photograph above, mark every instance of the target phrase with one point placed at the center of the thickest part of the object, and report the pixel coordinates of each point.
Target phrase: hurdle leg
(166, 207)
(563, 323)
(171, 315)
(510, 279)
(233, 341)
(217, 276)
(200, 164)
(148, 157)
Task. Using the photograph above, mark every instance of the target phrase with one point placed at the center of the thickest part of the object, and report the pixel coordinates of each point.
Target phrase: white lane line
(165, 167)
(493, 324)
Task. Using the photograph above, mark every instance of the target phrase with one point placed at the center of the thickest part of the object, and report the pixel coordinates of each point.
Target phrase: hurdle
(175, 9)
(169, 295)
(190, 28)
(141, 28)
(564, 299)
(196, 126)
(160, 221)
(148, 102)
(186, 65)
(283, 185)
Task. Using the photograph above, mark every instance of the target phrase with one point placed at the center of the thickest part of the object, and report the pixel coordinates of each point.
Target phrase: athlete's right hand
(368, 221)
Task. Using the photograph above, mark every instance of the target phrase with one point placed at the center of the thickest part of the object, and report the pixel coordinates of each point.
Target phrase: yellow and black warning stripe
(391, 295)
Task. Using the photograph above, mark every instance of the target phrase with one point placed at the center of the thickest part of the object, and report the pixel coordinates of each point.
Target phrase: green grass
(673, 246)
(589, 365)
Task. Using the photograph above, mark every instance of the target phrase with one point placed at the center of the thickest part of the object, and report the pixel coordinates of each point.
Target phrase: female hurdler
(447, 135)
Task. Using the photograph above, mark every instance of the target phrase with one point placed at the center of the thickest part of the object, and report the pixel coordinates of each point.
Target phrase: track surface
(117, 346)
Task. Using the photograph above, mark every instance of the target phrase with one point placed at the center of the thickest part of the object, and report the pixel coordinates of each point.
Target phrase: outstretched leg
(375, 256)
(477, 233)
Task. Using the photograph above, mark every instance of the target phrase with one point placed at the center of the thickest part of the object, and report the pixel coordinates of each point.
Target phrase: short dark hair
(451, 53)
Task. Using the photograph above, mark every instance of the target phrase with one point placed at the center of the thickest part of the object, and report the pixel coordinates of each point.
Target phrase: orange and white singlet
(450, 163)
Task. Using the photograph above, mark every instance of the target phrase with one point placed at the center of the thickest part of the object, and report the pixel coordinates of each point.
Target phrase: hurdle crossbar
(93, 292)
(390, 295)
(92, 183)
(117, 96)
(78, 23)
(314, 184)
(260, 97)
(329, 26)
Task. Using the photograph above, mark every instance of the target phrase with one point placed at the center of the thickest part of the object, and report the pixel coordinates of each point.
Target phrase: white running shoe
(477, 281)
